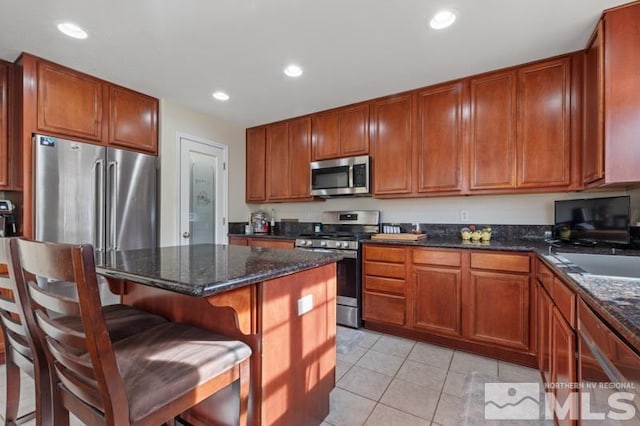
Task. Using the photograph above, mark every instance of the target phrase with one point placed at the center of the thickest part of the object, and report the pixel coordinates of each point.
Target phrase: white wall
(531, 209)
(174, 119)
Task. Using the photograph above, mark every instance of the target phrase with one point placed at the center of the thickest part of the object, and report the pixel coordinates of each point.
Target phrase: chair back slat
(20, 344)
(54, 302)
(5, 282)
(8, 305)
(25, 364)
(101, 385)
(80, 364)
(12, 323)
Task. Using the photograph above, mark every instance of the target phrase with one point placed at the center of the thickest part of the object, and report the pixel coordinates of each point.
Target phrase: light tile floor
(383, 380)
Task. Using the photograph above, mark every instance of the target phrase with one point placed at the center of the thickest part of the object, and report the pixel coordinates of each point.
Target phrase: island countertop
(207, 269)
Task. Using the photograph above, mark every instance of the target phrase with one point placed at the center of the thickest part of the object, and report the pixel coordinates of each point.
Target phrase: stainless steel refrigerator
(91, 194)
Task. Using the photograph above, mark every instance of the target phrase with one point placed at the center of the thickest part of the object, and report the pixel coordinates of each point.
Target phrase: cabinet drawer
(389, 270)
(437, 257)
(565, 300)
(500, 262)
(545, 276)
(383, 308)
(385, 254)
(384, 285)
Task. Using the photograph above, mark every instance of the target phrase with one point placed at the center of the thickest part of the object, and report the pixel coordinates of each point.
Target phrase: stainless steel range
(343, 231)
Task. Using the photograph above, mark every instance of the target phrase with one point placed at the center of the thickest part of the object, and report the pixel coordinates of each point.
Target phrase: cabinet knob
(186, 234)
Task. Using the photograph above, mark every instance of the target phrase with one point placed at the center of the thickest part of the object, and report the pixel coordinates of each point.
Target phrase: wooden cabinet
(499, 299)
(70, 103)
(133, 120)
(544, 124)
(611, 99)
(4, 125)
(563, 362)
(76, 105)
(256, 151)
(437, 291)
(342, 132)
(492, 131)
(270, 243)
(238, 241)
(392, 136)
(440, 139)
(545, 311)
(384, 284)
(289, 155)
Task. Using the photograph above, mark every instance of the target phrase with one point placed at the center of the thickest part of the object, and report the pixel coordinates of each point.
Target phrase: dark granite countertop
(617, 300)
(204, 270)
(267, 236)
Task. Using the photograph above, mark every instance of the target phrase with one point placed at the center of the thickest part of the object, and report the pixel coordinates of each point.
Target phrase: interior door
(203, 192)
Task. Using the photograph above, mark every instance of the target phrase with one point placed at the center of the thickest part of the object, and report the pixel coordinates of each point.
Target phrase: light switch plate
(305, 304)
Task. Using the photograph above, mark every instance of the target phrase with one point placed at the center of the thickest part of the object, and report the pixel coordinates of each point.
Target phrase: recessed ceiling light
(72, 30)
(221, 96)
(442, 19)
(293, 71)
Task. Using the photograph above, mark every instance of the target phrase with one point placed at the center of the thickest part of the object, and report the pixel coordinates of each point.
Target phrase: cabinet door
(133, 120)
(593, 149)
(621, 89)
(437, 302)
(238, 241)
(384, 308)
(563, 361)
(278, 161)
(393, 121)
(499, 309)
(325, 137)
(4, 117)
(256, 164)
(69, 102)
(492, 134)
(440, 139)
(544, 122)
(266, 243)
(354, 131)
(545, 310)
(299, 158)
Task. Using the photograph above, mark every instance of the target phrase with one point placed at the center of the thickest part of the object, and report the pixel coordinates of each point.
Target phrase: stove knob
(323, 243)
(308, 243)
(342, 245)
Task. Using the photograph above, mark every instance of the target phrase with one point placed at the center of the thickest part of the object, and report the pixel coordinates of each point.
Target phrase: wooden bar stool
(22, 353)
(145, 379)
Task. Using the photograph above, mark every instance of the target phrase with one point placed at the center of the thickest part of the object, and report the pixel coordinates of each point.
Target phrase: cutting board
(399, 237)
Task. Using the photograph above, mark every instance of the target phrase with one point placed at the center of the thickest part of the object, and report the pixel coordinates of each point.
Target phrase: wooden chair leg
(245, 380)
(60, 413)
(12, 390)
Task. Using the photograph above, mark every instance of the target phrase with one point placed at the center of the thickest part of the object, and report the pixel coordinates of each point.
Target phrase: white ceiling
(351, 50)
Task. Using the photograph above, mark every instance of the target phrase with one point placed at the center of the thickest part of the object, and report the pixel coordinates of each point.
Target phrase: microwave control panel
(360, 175)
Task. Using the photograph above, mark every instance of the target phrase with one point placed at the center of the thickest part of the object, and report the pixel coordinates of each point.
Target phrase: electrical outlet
(464, 215)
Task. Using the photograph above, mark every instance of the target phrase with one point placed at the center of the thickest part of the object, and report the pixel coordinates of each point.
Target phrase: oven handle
(610, 370)
(351, 254)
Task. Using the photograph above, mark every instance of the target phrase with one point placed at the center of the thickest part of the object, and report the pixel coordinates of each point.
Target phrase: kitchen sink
(603, 264)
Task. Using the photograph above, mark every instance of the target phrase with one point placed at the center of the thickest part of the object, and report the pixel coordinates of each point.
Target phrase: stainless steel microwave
(342, 176)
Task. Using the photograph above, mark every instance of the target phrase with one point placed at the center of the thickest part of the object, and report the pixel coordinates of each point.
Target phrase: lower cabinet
(563, 363)
(463, 298)
(262, 242)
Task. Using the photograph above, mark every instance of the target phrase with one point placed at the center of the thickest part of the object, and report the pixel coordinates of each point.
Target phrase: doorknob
(186, 234)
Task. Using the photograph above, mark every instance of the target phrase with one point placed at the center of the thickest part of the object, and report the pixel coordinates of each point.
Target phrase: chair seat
(122, 321)
(161, 364)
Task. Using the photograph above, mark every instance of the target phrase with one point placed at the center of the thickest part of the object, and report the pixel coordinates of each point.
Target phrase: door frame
(224, 237)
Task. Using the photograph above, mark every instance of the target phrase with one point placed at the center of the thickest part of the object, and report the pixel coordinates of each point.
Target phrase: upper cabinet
(612, 101)
(76, 105)
(392, 135)
(256, 165)
(544, 124)
(69, 102)
(288, 144)
(133, 120)
(4, 124)
(342, 132)
(440, 139)
(492, 131)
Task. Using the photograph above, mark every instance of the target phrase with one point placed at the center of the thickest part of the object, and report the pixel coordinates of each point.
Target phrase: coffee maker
(7, 219)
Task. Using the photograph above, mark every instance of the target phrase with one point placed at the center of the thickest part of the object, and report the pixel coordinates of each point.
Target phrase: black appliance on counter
(7, 219)
(592, 220)
(343, 231)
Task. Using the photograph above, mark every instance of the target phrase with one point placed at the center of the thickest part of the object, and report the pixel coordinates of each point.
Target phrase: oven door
(609, 374)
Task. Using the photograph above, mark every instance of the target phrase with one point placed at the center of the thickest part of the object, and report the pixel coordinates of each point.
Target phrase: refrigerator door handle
(100, 213)
(113, 182)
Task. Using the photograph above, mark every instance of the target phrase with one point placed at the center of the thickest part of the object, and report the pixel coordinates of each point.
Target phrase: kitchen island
(280, 302)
